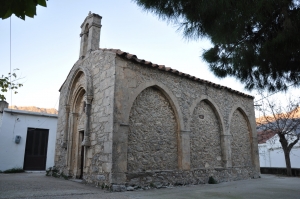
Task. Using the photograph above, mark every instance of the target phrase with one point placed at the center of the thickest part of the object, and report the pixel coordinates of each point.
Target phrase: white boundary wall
(271, 154)
(16, 122)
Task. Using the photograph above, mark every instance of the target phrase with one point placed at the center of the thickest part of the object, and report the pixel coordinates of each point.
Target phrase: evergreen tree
(255, 41)
(20, 8)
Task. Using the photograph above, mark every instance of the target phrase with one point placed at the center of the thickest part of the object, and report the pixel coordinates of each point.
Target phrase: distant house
(271, 153)
(27, 139)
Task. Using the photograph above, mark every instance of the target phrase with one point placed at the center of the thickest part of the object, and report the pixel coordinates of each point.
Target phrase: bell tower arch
(90, 34)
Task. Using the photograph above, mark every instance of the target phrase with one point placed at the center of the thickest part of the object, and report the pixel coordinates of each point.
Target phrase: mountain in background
(35, 109)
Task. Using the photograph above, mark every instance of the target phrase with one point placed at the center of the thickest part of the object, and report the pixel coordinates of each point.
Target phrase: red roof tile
(134, 58)
(263, 136)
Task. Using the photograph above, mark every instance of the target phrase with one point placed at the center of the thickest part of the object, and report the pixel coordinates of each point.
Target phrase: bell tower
(90, 34)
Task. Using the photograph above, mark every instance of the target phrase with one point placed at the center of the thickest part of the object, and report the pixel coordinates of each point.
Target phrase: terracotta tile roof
(263, 136)
(134, 58)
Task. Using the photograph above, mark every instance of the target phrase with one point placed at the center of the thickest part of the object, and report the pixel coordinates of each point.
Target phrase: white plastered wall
(15, 122)
(271, 155)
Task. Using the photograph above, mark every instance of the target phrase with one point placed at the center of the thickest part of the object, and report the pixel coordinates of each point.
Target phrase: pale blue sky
(46, 47)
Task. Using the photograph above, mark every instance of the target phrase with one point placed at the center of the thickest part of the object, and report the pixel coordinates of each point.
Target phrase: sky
(45, 48)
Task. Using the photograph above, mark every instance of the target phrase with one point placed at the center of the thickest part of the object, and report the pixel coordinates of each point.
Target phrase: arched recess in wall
(206, 127)
(76, 133)
(153, 135)
(241, 141)
(85, 39)
(87, 83)
(78, 82)
(82, 75)
(168, 94)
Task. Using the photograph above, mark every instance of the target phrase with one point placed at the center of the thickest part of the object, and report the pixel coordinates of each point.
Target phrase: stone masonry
(124, 121)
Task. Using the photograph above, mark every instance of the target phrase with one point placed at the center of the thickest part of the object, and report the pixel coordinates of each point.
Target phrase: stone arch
(88, 83)
(85, 35)
(153, 133)
(206, 134)
(214, 107)
(240, 131)
(168, 94)
(78, 88)
(75, 74)
(76, 134)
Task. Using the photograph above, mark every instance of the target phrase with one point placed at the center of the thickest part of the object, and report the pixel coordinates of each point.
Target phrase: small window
(201, 117)
(84, 106)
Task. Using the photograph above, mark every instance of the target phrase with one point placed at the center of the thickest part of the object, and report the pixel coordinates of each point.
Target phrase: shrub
(211, 180)
(14, 170)
(52, 171)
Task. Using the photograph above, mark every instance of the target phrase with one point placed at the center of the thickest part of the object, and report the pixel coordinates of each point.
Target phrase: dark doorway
(36, 149)
(81, 134)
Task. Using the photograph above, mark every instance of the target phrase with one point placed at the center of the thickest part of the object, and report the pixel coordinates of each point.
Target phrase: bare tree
(283, 120)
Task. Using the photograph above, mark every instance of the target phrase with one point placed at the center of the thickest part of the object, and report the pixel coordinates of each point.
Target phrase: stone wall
(205, 138)
(164, 178)
(152, 139)
(98, 157)
(150, 126)
(241, 143)
(204, 115)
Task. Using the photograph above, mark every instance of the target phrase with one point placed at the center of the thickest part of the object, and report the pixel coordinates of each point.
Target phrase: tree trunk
(287, 162)
(286, 150)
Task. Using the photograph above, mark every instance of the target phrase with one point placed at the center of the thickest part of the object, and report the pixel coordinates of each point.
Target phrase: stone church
(124, 121)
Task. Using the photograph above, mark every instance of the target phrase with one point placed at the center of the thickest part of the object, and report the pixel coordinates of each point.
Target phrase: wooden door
(36, 149)
(81, 133)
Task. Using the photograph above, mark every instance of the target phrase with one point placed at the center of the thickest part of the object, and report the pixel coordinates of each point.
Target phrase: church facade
(124, 121)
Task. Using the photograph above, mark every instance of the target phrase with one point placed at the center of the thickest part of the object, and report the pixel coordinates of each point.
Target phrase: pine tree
(256, 42)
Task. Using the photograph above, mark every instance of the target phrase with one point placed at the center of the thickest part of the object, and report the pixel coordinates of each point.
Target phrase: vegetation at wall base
(211, 180)
(14, 170)
(52, 171)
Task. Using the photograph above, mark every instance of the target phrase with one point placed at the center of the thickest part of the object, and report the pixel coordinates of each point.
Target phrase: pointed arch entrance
(76, 136)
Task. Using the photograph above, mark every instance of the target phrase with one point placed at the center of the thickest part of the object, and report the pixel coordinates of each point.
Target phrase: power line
(10, 59)
(56, 103)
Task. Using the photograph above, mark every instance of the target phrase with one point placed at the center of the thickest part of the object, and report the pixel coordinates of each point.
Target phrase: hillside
(35, 109)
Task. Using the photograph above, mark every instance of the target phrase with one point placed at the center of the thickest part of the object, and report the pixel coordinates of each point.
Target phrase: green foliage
(105, 186)
(20, 8)
(14, 170)
(6, 84)
(52, 171)
(211, 180)
(256, 42)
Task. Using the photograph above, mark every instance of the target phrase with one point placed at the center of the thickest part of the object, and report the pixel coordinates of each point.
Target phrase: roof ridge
(133, 57)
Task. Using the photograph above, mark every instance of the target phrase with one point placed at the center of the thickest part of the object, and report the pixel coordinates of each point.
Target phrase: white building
(271, 153)
(27, 139)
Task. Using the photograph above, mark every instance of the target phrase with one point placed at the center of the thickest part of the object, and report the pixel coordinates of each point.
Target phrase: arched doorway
(77, 135)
